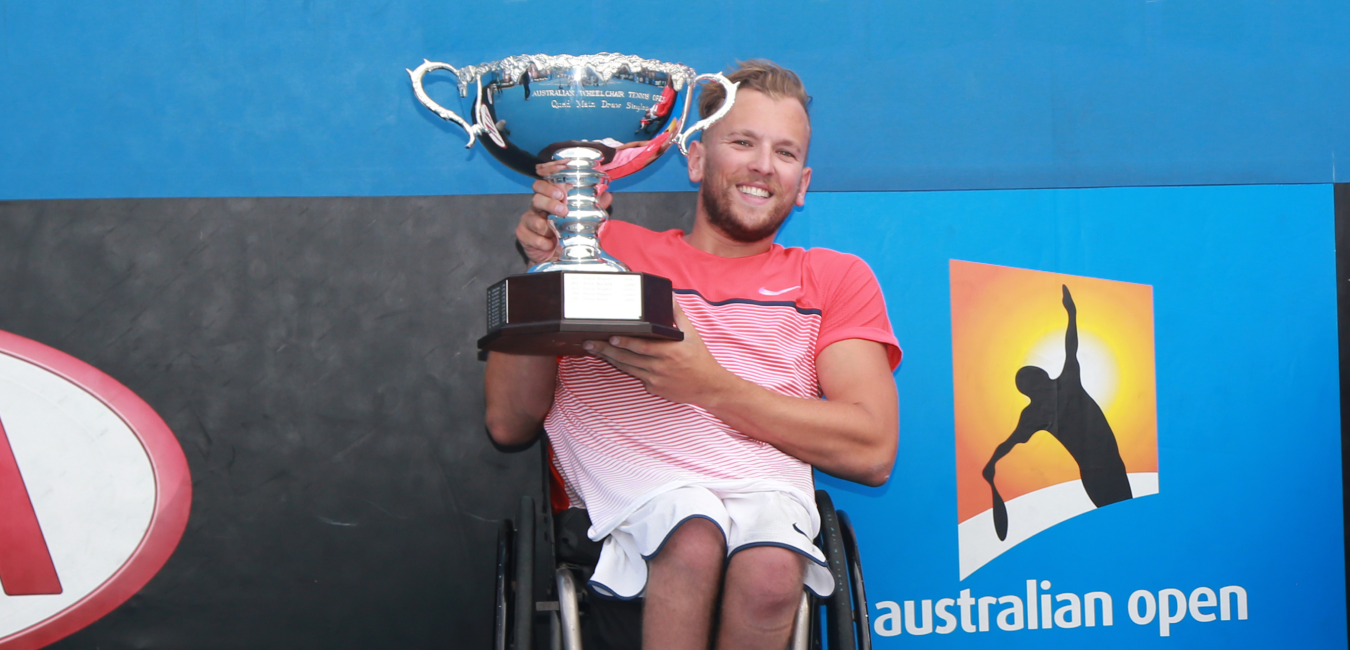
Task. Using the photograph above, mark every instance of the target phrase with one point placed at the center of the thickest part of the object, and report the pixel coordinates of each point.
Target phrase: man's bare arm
(852, 434)
(518, 390)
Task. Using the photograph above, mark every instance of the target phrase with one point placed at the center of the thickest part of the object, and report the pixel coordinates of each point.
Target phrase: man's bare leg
(682, 585)
(760, 596)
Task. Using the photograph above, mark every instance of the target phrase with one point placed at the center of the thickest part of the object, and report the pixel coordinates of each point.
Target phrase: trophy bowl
(526, 108)
(607, 116)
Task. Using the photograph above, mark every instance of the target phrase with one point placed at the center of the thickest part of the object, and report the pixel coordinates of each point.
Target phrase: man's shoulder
(829, 256)
(827, 262)
(640, 248)
(625, 235)
(829, 276)
(617, 228)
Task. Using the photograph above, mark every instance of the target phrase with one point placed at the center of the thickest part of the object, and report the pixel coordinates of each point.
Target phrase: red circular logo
(94, 493)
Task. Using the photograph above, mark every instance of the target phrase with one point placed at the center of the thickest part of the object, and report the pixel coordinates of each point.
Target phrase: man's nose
(762, 161)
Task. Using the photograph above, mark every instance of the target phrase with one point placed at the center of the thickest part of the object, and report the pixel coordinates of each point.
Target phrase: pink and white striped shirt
(765, 317)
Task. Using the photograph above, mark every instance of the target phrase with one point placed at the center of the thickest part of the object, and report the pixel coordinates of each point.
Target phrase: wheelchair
(560, 613)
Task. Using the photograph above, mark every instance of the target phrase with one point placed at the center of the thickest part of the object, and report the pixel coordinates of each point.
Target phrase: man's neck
(707, 238)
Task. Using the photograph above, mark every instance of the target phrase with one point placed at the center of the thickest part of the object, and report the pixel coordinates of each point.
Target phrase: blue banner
(1190, 493)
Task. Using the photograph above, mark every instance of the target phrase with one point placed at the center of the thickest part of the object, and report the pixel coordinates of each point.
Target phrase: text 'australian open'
(1043, 610)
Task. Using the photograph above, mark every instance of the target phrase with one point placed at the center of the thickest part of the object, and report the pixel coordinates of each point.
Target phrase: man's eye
(743, 143)
(787, 154)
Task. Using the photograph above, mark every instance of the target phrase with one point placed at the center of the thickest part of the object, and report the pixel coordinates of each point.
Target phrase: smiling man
(693, 458)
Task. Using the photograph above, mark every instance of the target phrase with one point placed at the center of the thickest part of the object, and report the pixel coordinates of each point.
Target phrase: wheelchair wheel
(502, 618)
(513, 625)
(861, 619)
(838, 607)
(524, 574)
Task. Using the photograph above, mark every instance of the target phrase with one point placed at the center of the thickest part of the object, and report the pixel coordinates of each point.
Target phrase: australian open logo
(1055, 399)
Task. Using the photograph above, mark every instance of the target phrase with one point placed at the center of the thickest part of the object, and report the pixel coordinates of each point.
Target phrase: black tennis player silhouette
(1064, 409)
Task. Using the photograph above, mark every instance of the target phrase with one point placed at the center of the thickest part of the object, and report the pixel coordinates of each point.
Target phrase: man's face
(752, 166)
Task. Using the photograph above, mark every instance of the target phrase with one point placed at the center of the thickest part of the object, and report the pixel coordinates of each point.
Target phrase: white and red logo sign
(94, 493)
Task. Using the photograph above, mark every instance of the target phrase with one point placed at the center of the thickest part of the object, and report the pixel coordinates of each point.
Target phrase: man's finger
(642, 347)
(554, 191)
(544, 205)
(624, 360)
(549, 198)
(536, 223)
(632, 371)
(625, 353)
(541, 229)
(532, 241)
(550, 167)
(536, 237)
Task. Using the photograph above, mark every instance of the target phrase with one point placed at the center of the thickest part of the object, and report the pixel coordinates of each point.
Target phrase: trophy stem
(578, 232)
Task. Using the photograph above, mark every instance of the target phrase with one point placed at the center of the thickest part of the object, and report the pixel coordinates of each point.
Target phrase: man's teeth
(753, 191)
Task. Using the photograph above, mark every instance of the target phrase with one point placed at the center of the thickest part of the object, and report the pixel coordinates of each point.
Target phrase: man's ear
(801, 187)
(696, 161)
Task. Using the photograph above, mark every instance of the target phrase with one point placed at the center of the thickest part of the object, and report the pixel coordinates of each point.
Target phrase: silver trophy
(607, 116)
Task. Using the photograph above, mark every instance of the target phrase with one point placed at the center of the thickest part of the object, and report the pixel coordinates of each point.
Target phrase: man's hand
(534, 233)
(851, 434)
(684, 372)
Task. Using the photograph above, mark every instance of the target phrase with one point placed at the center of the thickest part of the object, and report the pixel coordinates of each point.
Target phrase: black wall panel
(316, 359)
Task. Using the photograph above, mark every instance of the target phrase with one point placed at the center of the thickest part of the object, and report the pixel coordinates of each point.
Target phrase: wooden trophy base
(553, 313)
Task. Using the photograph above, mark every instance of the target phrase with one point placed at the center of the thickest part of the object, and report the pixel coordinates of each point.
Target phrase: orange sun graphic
(1004, 319)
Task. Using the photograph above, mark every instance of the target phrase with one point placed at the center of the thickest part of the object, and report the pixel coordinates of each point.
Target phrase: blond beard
(720, 216)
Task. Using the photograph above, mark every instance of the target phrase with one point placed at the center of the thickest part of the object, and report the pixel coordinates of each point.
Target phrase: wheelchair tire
(523, 603)
(838, 608)
(502, 615)
(861, 617)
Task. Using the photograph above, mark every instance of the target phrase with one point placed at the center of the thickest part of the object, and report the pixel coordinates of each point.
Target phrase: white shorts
(747, 519)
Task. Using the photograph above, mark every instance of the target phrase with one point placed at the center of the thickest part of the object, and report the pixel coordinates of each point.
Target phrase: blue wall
(309, 98)
(1244, 306)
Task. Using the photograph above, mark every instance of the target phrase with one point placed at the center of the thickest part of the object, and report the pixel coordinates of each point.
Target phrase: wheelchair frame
(846, 622)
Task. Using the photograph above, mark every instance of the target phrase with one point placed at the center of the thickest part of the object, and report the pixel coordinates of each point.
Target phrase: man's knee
(696, 546)
(768, 581)
(682, 584)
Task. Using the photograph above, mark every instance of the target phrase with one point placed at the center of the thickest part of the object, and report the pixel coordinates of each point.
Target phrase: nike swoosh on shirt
(780, 292)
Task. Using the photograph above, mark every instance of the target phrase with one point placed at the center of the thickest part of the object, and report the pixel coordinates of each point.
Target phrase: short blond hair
(763, 75)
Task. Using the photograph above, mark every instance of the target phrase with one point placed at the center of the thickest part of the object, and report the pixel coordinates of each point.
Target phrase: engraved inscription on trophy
(496, 306)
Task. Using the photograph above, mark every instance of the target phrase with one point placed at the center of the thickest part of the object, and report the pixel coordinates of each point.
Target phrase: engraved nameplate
(602, 296)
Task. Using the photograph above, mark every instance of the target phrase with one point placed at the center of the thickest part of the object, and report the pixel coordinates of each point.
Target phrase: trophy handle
(446, 114)
(683, 139)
